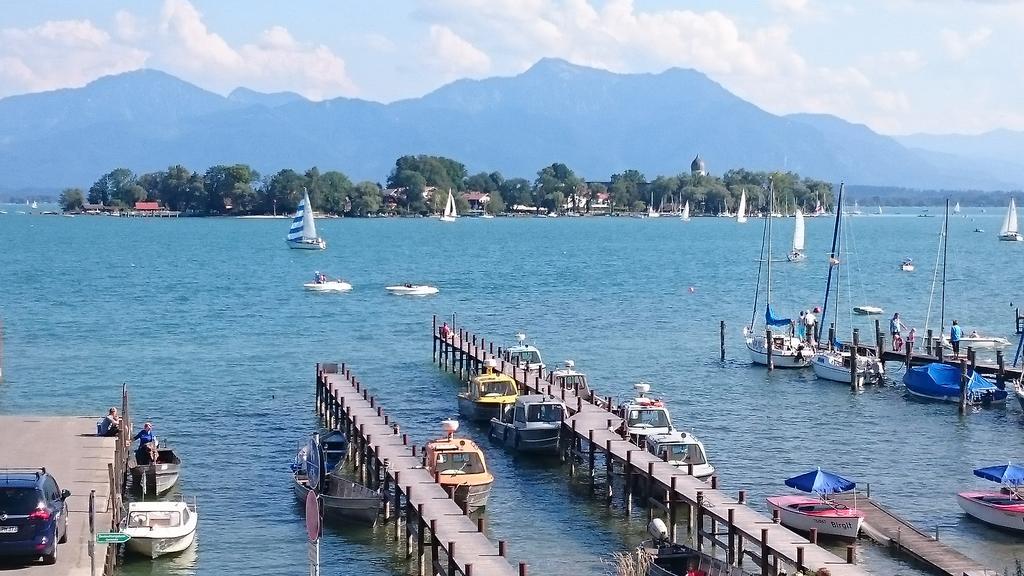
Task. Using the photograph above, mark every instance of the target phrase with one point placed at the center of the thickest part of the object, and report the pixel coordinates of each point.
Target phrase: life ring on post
(897, 343)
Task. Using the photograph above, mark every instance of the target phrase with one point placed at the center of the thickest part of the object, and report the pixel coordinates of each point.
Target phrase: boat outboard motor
(657, 529)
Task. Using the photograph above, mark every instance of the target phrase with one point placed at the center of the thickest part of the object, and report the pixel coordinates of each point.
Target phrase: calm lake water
(207, 322)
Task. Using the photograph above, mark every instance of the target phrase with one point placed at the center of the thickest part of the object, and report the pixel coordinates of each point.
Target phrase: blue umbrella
(820, 482)
(1011, 474)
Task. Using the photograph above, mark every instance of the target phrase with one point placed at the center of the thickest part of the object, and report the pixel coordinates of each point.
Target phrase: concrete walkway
(78, 460)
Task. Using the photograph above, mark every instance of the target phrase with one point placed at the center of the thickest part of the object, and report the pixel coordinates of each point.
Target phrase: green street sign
(112, 538)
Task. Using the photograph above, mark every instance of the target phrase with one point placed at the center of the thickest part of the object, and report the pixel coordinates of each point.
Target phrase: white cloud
(60, 54)
(959, 46)
(127, 26)
(796, 6)
(453, 55)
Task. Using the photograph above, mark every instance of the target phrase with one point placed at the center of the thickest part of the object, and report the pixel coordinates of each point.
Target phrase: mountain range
(597, 122)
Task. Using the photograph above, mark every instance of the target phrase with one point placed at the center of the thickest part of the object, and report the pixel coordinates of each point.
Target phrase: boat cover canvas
(771, 320)
(939, 380)
(1011, 474)
(820, 482)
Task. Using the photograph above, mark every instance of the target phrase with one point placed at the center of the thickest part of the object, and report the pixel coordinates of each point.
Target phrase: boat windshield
(525, 356)
(154, 519)
(497, 388)
(544, 413)
(648, 418)
(459, 463)
(686, 453)
(574, 381)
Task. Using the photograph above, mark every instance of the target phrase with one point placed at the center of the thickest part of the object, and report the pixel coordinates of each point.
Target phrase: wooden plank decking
(593, 424)
(887, 528)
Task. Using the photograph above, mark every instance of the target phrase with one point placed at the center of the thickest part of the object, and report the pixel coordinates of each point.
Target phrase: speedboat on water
(459, 465)
(937, 381)
(681, 450)
(818, 511)
(1004, 507)
(328, 286)
(157, 528)
(569, 378)
(157, 477)
(907, 265)
(532, 424)
(867, 310)
(412, 290)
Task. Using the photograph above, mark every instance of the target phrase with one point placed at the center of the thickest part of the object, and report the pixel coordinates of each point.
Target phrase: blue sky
(899, 66)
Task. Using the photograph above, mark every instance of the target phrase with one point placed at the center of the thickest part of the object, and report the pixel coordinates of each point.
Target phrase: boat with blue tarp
(937, 381)
(1004, 507)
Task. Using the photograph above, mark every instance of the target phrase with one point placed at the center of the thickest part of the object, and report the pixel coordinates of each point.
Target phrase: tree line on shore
(419, 185)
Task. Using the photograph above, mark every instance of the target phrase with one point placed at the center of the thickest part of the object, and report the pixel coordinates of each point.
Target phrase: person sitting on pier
(444, 331)
(110, 425)
(147, 452)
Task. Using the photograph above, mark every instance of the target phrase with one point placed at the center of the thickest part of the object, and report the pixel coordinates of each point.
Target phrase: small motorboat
(867, 310)
(977, 341)
(835, 365)
(155, 478)
(937, 381)
(643, 416)
(819, 512)
(412, 290)
(524, 354)
(567, 377)
(156, 528)
(532, 424)
(316, 469)
(663, 558)
(321, 283)
(486, 395)
(979, 230)
(680, 450)
(907, 265)
(1004, 507)
(460, 466)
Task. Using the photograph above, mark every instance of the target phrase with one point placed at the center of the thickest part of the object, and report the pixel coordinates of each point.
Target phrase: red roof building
(147, 206)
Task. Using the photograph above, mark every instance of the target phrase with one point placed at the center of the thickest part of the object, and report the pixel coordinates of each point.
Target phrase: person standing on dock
(895, 328)
(955, 334)
(809, 322)
(801, 328)
(444, 331)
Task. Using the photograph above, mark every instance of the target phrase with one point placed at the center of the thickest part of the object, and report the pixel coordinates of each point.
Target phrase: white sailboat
(856, 209)
(796, 254)
(879, 209)
(686, 212)
(741, 211)
(956, 209)
(787, 351)
(302, 233)
(651, 212)
(1009, 232)
(450, 213)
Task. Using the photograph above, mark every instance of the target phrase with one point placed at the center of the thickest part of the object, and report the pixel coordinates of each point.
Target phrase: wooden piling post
(908, 355)
(433, 351)
(879, 339)
(730, 519)
(928, 342)
(1001, 371)
(721, 334)
(765, 567)
(699, 520)
(672, 498)
(609, 469)
(853, 359)
(649, 489)
(590, 457)
(831, 335)
(768, 347)
(627, 489)
(963, 386)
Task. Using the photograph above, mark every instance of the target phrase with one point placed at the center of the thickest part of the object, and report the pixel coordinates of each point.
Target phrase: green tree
(365, 198)
(336, 190)
(516, 191)
(72, 199)
(413, 186)
(496, 205)
(553, 185)
(232, 185)
(283, 191)
(484, 182)
(114, 186)
(625, 189)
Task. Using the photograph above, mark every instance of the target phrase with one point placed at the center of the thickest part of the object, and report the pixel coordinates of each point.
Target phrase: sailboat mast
(945, 244)
(831, 259)
(768, 270)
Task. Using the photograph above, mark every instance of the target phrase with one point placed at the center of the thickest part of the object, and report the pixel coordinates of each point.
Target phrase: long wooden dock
(723, 525)
(887, 528)
(437, 532)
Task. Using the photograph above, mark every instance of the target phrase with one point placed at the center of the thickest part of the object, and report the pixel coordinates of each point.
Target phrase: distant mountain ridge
(597, 122)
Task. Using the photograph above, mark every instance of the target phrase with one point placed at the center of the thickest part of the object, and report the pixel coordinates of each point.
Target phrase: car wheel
(63, 535)
(51, 558)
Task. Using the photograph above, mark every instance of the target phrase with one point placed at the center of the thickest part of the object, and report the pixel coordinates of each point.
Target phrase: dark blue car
(33, 514)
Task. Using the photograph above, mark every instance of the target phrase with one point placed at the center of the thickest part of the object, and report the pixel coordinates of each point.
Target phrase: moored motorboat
(156, 528)
(643, 416)
(316, 469)
(867, 310)
(835, 365)
(1003, 508)
(662, 557)
(532, 424)
(937, 381)
(681, 450)
(977, 341)
(569, 378)
(459, 465)
(412, 290)
(803, 513)
(487, 394)
(523, 354)
(155, 478)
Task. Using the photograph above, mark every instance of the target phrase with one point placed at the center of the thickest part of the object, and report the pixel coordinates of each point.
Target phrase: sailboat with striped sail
(302, 233)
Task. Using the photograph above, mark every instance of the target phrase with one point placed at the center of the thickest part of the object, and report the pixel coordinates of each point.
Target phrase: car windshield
(544, 413)
(687, 453)
(19, 500)
(647, 418)
(459, 463)
(496, 388)
(526, 356)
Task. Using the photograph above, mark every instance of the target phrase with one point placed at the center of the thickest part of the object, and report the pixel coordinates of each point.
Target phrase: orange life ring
(897, 343)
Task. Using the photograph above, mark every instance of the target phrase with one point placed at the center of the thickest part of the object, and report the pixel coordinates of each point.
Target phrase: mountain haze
(595, 121)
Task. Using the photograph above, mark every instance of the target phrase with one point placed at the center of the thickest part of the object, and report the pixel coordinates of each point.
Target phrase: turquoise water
(206, 321)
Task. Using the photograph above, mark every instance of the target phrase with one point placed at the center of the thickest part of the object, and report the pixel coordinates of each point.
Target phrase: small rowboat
(1003, 508)
(827, 517)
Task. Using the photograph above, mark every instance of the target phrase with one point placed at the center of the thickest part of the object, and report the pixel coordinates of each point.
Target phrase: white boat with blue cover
(937, 381)
(302, 233)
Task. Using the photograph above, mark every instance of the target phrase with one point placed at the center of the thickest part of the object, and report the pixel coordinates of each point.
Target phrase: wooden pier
(723, 525)
(887, 528)
(440, 534)
(91, 467)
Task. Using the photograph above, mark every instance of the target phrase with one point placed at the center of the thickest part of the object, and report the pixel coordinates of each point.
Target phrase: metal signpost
(313, 527)
(112, 538)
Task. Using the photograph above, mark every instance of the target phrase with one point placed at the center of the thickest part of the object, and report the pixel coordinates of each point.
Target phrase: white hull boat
(806, 512)
(686, 212)
(329, 286)
(157, 528)
(412, 290)
(996, 508)
(977, 342)
(796, 254)
(450, 213)
(835, 366)
(867, 310)
(1009, 232)
(302, 232)
(741, 211)
(787, 351)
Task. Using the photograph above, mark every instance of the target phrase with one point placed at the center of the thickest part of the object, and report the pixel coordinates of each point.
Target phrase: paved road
(78, 460)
